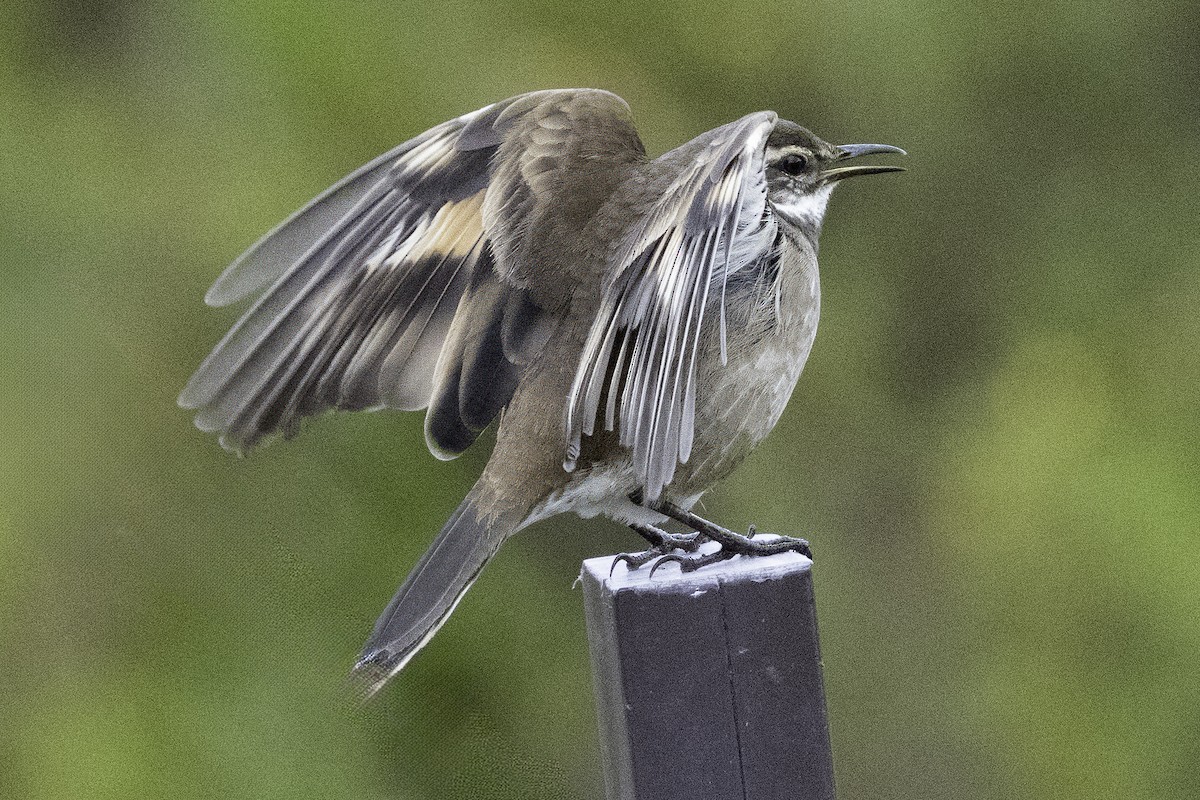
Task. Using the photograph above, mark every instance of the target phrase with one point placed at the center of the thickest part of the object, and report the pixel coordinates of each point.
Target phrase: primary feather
(396, 287)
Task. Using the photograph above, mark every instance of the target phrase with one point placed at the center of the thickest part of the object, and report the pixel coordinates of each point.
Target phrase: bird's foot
(735, 544)
(662, 544)
(664, 541)
(691, 563)
(731, 542)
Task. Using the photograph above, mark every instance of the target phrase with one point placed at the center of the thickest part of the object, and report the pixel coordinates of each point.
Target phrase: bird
(633, 327)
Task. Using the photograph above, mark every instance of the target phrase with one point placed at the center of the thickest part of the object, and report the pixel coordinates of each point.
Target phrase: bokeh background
(993, 448)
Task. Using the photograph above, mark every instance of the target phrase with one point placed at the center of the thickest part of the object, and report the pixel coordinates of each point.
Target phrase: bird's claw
(691, 564)
(633, 561)
(664, 543)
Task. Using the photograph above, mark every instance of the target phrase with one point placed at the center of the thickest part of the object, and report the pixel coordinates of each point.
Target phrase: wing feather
(358, 292)
(640, 359)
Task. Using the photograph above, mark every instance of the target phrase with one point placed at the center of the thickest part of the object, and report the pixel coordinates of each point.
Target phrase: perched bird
(635, 325)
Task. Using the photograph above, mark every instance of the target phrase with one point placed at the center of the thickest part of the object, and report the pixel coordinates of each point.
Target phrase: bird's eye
(793, 163)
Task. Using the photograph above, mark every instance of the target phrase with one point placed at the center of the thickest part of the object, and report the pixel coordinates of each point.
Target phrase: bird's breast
(771, 326)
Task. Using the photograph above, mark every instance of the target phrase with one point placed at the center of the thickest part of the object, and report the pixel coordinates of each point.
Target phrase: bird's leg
(661, 543)
(736, 543)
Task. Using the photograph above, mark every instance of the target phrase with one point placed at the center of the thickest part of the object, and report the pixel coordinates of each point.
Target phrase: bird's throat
(805, 210)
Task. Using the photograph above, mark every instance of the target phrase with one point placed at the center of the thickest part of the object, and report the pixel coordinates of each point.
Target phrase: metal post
(708, 685)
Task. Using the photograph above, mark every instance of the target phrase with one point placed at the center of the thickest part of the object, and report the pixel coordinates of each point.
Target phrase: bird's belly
(738, 413)
(740, 402)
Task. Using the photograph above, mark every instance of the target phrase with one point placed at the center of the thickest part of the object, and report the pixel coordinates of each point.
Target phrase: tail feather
(430, 593)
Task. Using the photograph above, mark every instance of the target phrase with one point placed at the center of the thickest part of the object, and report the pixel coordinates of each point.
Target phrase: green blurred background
(993, 448)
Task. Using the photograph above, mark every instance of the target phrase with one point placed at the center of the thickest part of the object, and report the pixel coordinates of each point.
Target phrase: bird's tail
(430, 593)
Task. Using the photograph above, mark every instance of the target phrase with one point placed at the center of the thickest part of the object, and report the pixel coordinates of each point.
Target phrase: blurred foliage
(994, 447)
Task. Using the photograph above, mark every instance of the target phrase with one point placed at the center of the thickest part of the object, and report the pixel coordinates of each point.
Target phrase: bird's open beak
(854, 151)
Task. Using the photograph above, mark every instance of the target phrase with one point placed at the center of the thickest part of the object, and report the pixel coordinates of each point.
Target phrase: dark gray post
(709, 685)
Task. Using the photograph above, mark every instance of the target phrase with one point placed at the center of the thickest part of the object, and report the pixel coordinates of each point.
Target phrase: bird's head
(802, 170)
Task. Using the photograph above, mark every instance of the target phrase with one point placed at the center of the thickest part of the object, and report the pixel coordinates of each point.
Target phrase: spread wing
(638, 371)
(386, 291)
